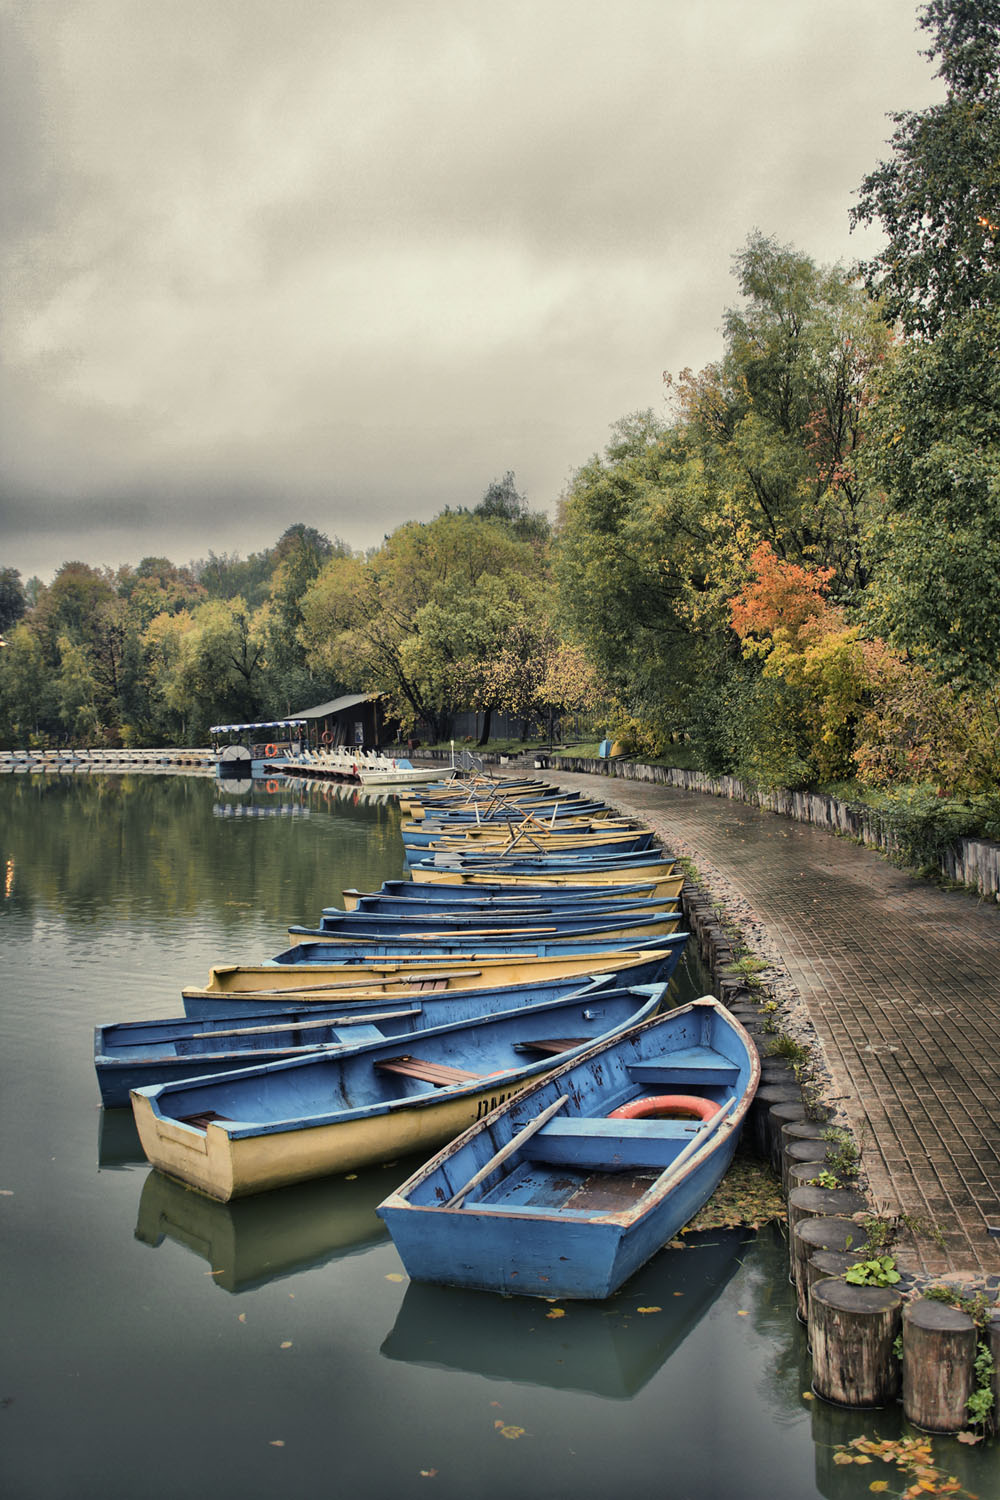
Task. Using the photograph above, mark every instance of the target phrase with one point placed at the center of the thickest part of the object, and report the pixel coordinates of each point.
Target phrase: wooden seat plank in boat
(694, 1065)
(612, 1145)
(203, 1120)
(440, 1074)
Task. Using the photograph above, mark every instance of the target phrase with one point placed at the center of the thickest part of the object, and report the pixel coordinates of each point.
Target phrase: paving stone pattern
(901, 981)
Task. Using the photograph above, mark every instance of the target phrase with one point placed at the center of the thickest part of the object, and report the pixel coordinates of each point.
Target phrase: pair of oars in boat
(517, 1141)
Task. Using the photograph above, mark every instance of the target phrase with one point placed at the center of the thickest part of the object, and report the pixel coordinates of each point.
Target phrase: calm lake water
(158, 1344)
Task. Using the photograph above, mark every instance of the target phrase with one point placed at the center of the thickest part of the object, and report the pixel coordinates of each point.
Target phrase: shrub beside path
(901, 982)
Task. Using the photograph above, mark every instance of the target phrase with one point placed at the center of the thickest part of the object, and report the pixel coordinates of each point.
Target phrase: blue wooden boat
(528, 860)
(396, 930)
(431, 920)
(500, 893)
(569, 1188)
(639, 852)
(259, 1128)
(483, 945)
(133, 1054)
(585, 830)
(500, 910)
(552, 809)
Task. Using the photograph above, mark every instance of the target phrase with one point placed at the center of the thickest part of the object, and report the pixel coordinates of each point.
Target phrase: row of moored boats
(501, 1013)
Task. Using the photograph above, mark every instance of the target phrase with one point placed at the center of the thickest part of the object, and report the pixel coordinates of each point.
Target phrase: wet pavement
(901, 982)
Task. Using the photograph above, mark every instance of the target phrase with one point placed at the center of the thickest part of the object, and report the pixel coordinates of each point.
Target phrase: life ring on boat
(656, 1106)
(326, 737)
(271, 786)
(270, 751)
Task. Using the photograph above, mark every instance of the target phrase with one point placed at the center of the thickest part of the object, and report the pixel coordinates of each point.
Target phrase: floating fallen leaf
(557, 1312)
(968, 1437)
(511, 1432)
(353, 1177)
(287, 1344)
(808, 1396)
(6, 1192)
(496, 1404)
(878, 1485)
(393, 1276)
(678, 1294)
(213, 1273)
(276, 1443)
(242, 1317)
(428, 1473)
(743, 1313)
(497, 1426)
(649, 1309)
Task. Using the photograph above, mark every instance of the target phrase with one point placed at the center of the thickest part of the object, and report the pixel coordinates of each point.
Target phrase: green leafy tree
(632, 563)
(399, 620)
(13, 601)
(935, 546)
(28, 703)
(77, 692)
(938, 196)
(778, 422)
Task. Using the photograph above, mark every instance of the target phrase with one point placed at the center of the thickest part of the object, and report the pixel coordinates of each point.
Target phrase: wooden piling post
(774, 1093)
(852, 1330)
(939, 1347)
(817, 1203)
(780, 1114)
(813, 1153)
(788, 1132)
(815, 1234)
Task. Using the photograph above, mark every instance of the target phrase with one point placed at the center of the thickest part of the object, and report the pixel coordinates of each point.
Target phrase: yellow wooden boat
(259, 1128)
(656, 880)
(408, 975)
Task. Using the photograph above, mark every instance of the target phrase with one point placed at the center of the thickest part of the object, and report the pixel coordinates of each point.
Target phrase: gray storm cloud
(345, 263)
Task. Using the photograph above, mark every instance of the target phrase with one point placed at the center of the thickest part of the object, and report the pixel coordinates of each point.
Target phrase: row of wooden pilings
(855, 1332)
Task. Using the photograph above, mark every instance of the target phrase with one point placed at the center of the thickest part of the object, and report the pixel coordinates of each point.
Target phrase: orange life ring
(270, 786)
(656, 1105)
(270, 750)
(326, 737)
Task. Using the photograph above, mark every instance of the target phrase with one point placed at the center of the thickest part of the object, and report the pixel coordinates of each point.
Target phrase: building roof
(336, 706)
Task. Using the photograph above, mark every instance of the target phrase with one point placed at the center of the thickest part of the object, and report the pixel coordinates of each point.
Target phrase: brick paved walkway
(902, 983)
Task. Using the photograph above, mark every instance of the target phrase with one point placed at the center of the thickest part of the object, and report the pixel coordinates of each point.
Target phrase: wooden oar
(501, 1156)
(360, 1018)
(695, 1144)
(362, 982)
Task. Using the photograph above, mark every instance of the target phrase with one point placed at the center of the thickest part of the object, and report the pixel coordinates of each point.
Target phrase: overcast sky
(346, 261)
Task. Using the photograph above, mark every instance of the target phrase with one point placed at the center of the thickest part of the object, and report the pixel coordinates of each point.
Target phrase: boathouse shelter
(356, 720)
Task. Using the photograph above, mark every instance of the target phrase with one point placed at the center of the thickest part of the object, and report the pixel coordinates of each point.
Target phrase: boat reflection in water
(118, 1144)
(252, 1241)
(611, 1348)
